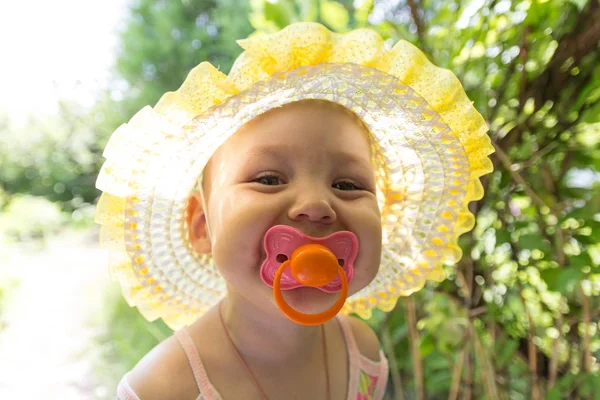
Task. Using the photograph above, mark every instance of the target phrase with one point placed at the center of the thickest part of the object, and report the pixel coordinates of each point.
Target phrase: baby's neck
(271, 338)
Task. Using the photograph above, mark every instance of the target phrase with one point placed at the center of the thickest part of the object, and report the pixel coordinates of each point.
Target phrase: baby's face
(306, 165)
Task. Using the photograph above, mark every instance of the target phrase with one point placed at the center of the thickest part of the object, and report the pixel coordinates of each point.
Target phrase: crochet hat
(429, 149)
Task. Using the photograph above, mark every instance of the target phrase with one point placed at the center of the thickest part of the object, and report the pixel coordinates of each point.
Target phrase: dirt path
(45, 346)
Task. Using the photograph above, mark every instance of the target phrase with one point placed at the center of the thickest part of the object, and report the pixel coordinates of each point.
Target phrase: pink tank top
(367, 381)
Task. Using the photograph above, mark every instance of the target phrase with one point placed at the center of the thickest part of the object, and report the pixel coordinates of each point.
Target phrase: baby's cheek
(238, 238)
(371, 252)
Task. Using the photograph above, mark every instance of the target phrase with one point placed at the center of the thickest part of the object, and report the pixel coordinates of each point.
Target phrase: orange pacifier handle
(312, 265)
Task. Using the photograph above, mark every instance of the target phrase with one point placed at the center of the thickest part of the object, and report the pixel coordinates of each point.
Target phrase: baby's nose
(313, 209)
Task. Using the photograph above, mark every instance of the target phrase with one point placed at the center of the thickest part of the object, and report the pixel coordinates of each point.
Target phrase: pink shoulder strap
(358, 362)
(353, 356)
(124, 391)
(383, 376)
(204, 386)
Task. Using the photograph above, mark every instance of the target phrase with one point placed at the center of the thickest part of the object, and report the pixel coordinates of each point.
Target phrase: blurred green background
(518, 317)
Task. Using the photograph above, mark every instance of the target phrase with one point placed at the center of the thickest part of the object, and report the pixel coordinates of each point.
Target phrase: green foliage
(271, 16)
(585, 385)
(59, 157)
(55, 158)
(335, 15)
(164, 40)
(125, 339)
(534, 252)
(534, 255)
(27, 217)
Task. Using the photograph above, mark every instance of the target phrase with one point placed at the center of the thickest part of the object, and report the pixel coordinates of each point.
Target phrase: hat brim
(428, 163)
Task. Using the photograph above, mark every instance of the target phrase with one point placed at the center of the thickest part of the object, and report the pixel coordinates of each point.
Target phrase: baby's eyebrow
(351, 159)
(282, 152)
(276, 152)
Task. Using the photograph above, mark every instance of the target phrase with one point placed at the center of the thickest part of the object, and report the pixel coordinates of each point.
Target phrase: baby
(318, 148)
(306, 165)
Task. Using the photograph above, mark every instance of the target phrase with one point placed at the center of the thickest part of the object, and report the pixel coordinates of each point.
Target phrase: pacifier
(294, 260)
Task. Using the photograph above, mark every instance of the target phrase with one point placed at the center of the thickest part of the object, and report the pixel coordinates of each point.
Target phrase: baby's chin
(309, 300)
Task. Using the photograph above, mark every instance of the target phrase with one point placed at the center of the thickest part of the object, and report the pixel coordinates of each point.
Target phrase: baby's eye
(269, 180)
(345, 185)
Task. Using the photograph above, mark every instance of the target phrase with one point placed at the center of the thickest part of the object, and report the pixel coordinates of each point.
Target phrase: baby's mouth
(281, 240)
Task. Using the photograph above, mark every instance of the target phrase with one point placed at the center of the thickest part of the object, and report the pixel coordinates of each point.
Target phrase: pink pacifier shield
(281, 240)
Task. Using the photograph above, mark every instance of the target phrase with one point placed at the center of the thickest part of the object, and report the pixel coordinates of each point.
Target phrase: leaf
(592, 114)
(550, 276)
(593, 380)
(308, 10)
(580, 261)
(277, 13)
(568, 279)
(564, 385)
(533, 241)
(523, 225)
(363, 11)
(502, 236)
(593, 228)
(580, 4)
(582, 96)
(595, 233)
(437, 362)
(503, 354)
(335, 15)
(580, 213)
(534, 14)
(585, 239)
(438, 377)
(443, 16)
(589, 383)
(554, 393)
(562, 280)
(427, 346)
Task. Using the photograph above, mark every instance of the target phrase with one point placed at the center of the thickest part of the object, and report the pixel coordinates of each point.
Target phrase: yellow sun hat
(430, 148)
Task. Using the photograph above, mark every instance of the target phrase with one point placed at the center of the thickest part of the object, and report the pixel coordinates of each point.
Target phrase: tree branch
(394, 369)
(487, 369)
(521, 353)
(502, 89)
(543, 152)
(524, 57)
(587, 353)
(501, 155)
(468, 374)
(531, 352)
(572, 46)
(456, 375)
(554, 359)
(414, 12)
(411, 321)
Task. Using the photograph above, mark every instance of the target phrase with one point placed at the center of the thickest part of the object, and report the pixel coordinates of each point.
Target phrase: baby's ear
(196, 221)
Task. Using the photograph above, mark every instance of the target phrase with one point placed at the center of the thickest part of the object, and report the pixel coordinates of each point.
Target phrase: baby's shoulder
(164, 373)
(366, 339)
